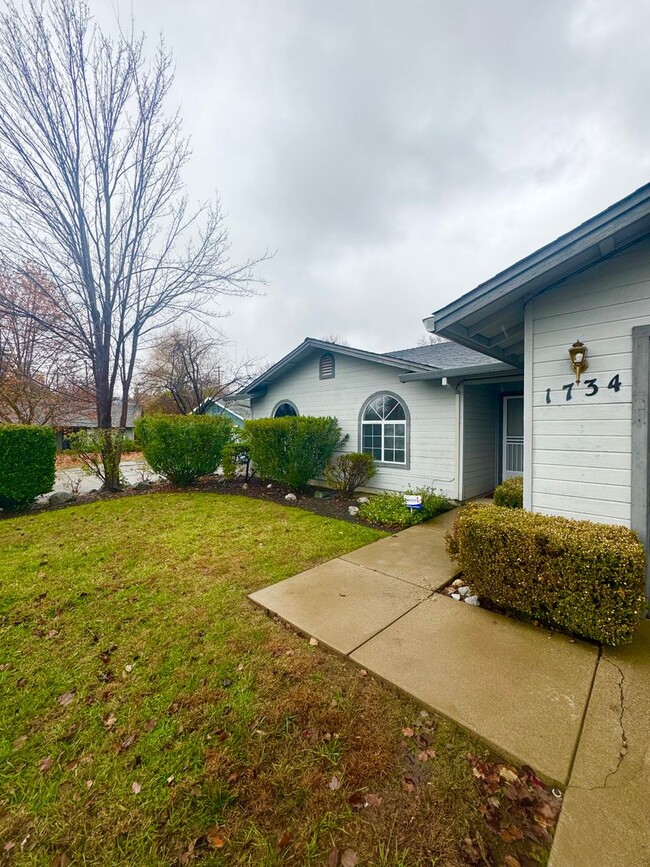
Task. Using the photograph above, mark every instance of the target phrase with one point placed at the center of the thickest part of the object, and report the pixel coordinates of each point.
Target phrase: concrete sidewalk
(537, 697)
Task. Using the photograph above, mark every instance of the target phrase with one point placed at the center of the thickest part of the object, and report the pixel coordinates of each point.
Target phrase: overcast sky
(396, 153)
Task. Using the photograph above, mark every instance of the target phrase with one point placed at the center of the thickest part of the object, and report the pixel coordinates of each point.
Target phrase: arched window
(385, 431)
(327, 366)
(284, 408)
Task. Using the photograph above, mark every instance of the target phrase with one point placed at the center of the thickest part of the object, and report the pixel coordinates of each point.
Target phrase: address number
(591, 391)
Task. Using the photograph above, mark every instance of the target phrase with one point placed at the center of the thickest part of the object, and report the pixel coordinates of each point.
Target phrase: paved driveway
(75, 480)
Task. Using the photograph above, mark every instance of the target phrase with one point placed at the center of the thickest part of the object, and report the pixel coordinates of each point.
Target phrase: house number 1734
(592, 388)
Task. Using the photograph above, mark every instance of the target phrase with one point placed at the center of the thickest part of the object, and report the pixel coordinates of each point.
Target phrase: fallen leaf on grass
(508, 774)
(90, 784)
(66, 699)
(313, 642)
(357, 800)
(349, 858)
(408, 732)
(214, 837)
(127, 742)
(61, 860)
(45, 765)
(373, 800)
(109, 720)
(20, 742)
(10, 844)
(285, 840)
(511, 861)
(511, 833)
(136, 788)
(334, 783)
(408, 784)
(333, 858)
(149, 726)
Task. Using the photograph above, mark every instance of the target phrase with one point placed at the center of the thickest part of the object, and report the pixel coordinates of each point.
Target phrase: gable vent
(326, 368)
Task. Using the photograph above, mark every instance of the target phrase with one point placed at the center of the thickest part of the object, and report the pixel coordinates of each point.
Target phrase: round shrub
(390, 509)
(27, 454)
(183, 447)
(293, 449)
(510, 493)
(349, 471)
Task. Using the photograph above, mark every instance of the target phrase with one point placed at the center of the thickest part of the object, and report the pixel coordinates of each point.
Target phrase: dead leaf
(136, 788)
(357, 800)
(214, 837)
(334, 783)
(363, 672)
(19, 743)
(149, 726)
(349, 858)
(10, 844)
(313, 642)
(109, 720)
(373, 800)
(285, 840)
(408, 784)
(511, 861)
(508, 774)
(511, 833)
(61, 860)
(424, 756)
(333, 858)
(128, 742)
(66, 699)
(45, 765)
(90, 784)
(170, 780)
(408, 732)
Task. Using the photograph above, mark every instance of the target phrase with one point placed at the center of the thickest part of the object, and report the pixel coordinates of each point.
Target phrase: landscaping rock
(291, 498)
(457, 583)
(363, 500)
(244, 487)
(472, 600)
(456, 596)
(141, 486)
(323, 495)
(59, 498)
(353, 510)
(269, 487)
(465, 591)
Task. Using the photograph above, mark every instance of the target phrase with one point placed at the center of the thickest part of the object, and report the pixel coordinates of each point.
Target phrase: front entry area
(491, 443)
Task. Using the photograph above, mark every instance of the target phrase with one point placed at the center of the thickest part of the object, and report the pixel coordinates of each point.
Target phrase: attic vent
(326, 368)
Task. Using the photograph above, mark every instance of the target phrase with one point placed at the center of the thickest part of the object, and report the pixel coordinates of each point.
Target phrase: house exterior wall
(481, 407)
(579, 451)
(432, 410)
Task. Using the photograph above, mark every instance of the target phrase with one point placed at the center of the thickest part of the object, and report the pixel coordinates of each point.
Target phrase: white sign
(413, 501)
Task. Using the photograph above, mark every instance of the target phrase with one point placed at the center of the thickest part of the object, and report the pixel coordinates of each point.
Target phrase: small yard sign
(413, 501)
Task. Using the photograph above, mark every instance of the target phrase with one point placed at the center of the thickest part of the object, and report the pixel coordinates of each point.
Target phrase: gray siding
(480, 439)
(581, 449)
(432, 409)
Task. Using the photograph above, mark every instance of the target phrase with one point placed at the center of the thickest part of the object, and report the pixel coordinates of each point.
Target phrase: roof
(84, 414)
(238, 411)
(490, 318)
(443, 355)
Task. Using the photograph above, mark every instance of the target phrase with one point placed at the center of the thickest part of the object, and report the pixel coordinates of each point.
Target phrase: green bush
(236, 454)
(100, 451)
(349, 471)
(293, 449)
(510, 493)
(582, 578)
(183, 447)
(27, 454)
(390, 509)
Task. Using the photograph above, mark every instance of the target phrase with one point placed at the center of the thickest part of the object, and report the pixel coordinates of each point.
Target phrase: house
(585, 444)
(83, 416)
(237, 410)
(430, 415)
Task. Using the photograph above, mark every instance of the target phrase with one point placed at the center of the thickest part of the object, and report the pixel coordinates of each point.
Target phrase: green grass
(136, 607)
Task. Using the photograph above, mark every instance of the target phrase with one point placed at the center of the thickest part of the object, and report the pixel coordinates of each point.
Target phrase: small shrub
(100, 452)
(183, 447)
(349, 471)
(293, 449)
(236, 454)
(27, 455)
(510, 493)
(582, 578)
(390, 509)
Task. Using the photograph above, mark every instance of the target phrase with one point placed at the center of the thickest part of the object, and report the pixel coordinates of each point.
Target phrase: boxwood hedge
(27, 454)
(576, 576)
(510, 493)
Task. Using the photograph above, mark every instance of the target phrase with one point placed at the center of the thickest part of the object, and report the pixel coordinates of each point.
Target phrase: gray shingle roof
(444, 356)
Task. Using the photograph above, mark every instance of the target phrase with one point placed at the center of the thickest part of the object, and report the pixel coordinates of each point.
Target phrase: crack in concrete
(624, 745)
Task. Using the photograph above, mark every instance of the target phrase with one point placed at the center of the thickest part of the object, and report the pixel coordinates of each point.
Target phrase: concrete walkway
(535, 696)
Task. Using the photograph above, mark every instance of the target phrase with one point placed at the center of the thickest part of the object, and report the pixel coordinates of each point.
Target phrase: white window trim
(406, 464)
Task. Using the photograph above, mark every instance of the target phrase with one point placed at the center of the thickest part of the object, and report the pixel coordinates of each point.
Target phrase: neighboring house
(237, 410)
(585, 446)
(84, 417)
(431, 415)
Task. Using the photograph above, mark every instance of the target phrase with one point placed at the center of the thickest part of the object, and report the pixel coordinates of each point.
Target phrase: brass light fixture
(578, 353)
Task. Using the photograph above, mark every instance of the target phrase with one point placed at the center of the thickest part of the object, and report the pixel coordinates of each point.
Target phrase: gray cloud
(397, 153)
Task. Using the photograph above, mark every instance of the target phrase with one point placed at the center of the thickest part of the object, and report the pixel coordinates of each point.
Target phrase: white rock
(269, 486)
(363, 500)
(456, 596)
(472, 600)
(353, 510)
(244, 487)
(291, 498)
(457, 583)
(464, 591)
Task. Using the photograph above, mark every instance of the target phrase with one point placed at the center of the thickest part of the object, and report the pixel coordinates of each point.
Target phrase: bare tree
(91, 191)
(187, 368)
(429, 339)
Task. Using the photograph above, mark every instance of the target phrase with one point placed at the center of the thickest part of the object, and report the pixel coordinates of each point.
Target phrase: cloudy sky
(396, 153)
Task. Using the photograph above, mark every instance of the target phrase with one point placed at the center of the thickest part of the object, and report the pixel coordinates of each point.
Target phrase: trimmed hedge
(349, 471)
(183, 447)
(292, 449)
(27, 455)
(390, 509)
(576, 576)
(510, 493)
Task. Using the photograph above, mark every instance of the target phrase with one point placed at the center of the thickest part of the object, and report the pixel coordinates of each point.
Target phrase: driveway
(75, 480)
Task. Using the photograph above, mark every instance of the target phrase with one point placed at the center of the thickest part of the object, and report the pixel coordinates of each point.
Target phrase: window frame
(331, 375)
(282, 403)
(406, 465)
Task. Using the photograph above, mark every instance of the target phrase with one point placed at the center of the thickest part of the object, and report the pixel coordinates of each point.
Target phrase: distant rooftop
(445, 355)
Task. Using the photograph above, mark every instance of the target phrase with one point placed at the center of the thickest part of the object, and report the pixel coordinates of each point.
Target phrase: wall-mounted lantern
(578, 353)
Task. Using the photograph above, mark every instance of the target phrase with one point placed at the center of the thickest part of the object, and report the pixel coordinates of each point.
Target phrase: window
(384, 429)
(284, 408)
(326, 367)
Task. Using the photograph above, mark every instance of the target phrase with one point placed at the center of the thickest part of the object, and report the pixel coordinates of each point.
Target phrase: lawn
(151, 715)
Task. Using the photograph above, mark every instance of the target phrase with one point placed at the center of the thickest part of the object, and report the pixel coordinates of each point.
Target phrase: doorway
(513, 436)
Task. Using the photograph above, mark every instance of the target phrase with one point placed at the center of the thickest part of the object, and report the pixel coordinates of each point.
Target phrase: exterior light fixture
(578, 354)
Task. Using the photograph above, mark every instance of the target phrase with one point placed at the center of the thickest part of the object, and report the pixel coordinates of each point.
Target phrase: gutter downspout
(459, 391)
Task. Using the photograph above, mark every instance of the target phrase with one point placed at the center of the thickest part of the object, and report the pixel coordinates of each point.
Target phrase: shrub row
(576, 576)
(27, 454)
(390, 509)
(510, 493)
